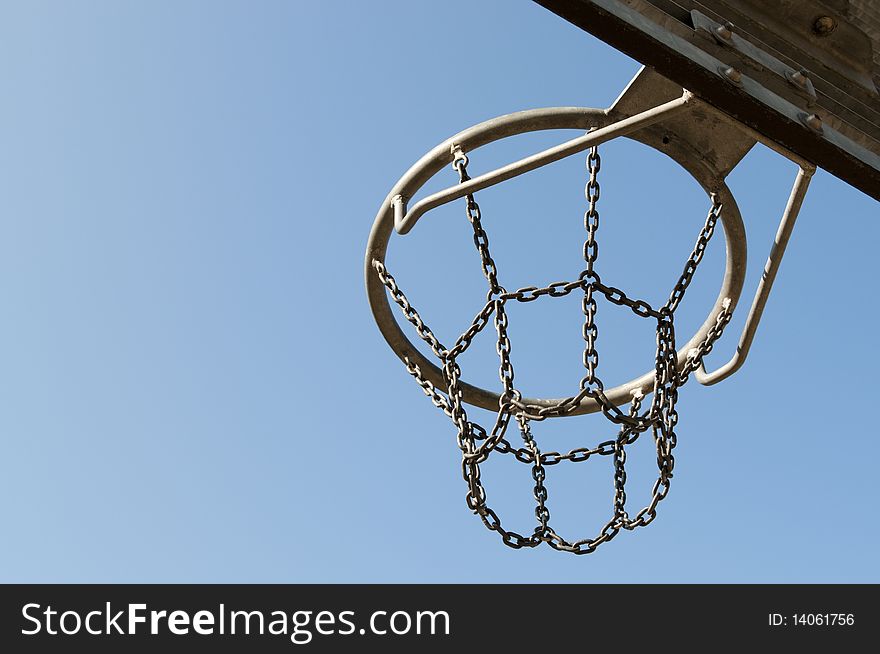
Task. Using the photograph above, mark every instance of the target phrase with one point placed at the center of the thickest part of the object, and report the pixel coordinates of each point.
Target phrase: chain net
(660, 416)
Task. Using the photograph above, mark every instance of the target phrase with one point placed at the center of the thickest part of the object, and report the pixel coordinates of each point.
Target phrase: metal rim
(520, 123)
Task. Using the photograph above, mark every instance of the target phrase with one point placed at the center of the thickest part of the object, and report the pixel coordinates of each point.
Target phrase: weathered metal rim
(519, 123)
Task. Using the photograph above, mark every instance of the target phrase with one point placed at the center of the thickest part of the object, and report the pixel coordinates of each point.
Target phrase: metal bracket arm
(404, 220)
(783, 234)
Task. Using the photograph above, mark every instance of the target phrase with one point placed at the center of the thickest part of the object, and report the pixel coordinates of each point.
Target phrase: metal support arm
(795, 200)
(404, 220)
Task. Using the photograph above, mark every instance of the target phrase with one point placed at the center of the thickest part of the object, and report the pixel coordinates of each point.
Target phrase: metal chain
(429, 389)
(693, 261)
(409, 312)
(591, 216)
(590, 331)
(661, 417)
(620, 515)
(522, 454)
(481, 239)
(665, 395)
(502, 347)
(464, 341)
(542, 513)
(619, 518)
(696, 355)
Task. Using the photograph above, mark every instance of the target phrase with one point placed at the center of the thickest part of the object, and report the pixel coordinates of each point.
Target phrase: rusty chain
(661, 417)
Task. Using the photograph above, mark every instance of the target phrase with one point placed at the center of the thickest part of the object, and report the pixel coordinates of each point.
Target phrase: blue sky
(193, 389)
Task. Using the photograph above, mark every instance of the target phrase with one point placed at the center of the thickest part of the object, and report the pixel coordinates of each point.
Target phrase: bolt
(824, 25)
(724, 31)
(732, 74)
(800, 78)
(813, 122)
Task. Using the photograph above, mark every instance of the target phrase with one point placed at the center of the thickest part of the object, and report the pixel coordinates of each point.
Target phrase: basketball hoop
(690, 121)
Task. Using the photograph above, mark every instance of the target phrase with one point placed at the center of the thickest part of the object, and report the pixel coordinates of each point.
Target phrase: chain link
(661, 417)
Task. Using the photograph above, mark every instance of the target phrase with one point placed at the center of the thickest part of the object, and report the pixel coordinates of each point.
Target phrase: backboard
(804, 73)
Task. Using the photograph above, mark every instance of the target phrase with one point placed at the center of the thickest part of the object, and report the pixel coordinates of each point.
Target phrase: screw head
(824, 25)
(724, 31)
(800, 78)
(732, 74)
(812, 121)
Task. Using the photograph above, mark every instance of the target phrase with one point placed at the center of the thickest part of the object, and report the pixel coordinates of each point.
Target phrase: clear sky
(193, 388)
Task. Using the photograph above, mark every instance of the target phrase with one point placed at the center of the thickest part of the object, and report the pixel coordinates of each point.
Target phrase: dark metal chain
(696, 355)
(522, 454)
(591, 216)
(561, 289)
(619, 519)
(542, 513)
(590, 331)
(481, 320)
(620, 515)
(481, 239)
(429, 389)
(665, 396)
(693, 261)
(409, 312)
(661, 417)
